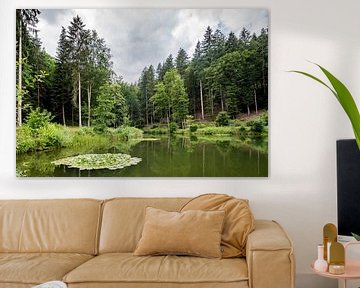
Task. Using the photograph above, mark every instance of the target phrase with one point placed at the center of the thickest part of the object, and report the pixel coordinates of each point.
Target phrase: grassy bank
(52, 136)
(254, 125)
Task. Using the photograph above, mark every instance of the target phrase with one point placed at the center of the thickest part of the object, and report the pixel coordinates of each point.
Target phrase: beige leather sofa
(89, 243)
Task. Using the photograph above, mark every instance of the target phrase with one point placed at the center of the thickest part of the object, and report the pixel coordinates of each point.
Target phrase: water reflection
(167, 156)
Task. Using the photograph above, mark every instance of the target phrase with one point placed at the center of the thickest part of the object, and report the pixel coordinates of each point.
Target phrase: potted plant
(344, 97)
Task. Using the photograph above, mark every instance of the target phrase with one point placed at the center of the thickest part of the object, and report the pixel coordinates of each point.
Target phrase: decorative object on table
(320, 264)
(350, 270)
(153, 100)
(344, 97)
(329, 236)
(337, 258)
(52, 284)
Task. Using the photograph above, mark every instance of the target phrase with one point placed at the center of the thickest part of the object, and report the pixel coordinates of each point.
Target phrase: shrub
(50, 136)
(24, 140)
(86, 131)
(173, 127)
(250, 123)
(130, 132)
(193, 128)
(222, 119)
(38, 119)
(46, 137)
(258, 126)
(265, 119)
(189, 120)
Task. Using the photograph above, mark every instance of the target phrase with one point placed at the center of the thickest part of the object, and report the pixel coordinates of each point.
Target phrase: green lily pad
(99, 161)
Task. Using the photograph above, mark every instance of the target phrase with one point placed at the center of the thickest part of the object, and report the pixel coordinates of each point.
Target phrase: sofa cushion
(36, 268)
(123, 220)
(193, 232)
(126, 268)
(62, 226)
(238, 223)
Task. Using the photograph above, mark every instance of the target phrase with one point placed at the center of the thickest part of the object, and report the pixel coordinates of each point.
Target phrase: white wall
(305, 120)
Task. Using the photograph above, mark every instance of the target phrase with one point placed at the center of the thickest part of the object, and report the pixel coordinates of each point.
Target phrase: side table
(352, 268)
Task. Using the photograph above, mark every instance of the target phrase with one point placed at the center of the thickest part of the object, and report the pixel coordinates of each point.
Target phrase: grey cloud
(141, 37)
(51, 16)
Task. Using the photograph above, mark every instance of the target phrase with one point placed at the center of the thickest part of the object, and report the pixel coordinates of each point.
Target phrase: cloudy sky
(141, 37)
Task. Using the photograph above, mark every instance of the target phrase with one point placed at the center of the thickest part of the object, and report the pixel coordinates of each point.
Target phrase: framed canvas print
(142, 92)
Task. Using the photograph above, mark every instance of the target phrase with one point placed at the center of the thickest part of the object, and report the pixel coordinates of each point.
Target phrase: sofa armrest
(269, 256)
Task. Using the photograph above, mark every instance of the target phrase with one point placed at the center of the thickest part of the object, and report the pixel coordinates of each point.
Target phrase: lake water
(164, 157)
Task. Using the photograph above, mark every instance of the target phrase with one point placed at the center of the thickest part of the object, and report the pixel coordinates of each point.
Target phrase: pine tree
(24, 17)
(218, 44)
(168, 65)
(232, 43)
(182, 62)
(78, 39)
(159, 72)
(62, 89)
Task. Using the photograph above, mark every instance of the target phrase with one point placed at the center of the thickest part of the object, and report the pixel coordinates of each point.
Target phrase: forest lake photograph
(142, 92)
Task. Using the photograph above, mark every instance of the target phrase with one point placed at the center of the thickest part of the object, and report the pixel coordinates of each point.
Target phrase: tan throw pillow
(239, 220)
(196, 233)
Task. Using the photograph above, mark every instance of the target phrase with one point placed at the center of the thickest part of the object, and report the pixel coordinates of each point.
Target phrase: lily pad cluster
(99, 161)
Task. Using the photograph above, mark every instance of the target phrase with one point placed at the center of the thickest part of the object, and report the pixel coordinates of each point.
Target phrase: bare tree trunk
(63, 114)
(211, 102)
(89, 105)
(248, 110)
(222, 100)
(256, 109)
(19, 100)
(79, 99)
(201, 101)
(72, 115)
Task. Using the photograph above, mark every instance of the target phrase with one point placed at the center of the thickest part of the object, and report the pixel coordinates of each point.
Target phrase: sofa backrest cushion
(123, 220)
(64, 226)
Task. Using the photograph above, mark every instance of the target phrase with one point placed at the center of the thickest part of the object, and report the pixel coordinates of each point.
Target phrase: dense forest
(78, 87)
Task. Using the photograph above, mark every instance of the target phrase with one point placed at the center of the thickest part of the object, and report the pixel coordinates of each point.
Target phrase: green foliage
(356, 236)
(265, 119)
(156, 131)
(223, 130)
(129, 133)
(24, 140)
(222, 119)
(170, 99)
(193, 128)
(46, 137)
(257, 126)
(111, 109)
(38, 119)
(173, 127)
(344, 97)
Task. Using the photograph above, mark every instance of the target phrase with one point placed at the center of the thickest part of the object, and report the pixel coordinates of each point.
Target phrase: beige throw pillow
(194, 232)
(239, 220)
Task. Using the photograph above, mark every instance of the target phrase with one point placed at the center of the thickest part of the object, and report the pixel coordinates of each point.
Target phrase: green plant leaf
(344, 97)
(356, 236)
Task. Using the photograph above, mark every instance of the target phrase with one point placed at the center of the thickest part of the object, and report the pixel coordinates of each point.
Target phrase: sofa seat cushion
(127, 268)
(36, 268)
